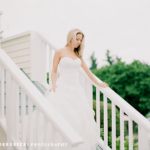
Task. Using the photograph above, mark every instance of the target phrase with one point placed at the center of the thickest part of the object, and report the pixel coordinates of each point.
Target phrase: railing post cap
(1, 12)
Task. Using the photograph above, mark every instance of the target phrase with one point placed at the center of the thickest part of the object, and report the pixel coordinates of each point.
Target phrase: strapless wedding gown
(71, 102)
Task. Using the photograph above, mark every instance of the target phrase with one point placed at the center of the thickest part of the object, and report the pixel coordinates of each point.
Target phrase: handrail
(40, 101)
(120, 102)
(46, 41)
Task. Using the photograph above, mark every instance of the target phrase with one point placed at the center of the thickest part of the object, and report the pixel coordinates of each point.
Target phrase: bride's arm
(90, 74)
(54, 69)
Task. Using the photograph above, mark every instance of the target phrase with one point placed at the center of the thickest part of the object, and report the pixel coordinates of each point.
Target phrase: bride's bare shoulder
(59, 52)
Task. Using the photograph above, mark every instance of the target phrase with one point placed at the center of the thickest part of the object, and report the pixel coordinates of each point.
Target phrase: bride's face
(78, 40)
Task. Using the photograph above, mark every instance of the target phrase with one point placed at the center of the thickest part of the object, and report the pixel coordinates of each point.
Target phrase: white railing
(116, 101)
(15, 78)
(41, 53)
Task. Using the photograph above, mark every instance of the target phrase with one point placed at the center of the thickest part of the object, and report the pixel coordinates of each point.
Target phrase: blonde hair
(72, 37)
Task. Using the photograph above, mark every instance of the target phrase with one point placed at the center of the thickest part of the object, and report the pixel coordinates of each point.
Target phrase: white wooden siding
(18, 49)
(24, 64)
(15, 40)
(21, 59)
(21, 52)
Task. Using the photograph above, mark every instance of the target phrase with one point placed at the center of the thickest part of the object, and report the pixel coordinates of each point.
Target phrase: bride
(74, 51)
(68, 96)
(66, 93)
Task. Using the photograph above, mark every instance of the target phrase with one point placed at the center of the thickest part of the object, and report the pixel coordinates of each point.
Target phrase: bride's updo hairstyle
(71, 37)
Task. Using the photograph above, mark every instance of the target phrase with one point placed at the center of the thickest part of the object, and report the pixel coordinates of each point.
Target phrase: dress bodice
(69, 70)
(69, 67)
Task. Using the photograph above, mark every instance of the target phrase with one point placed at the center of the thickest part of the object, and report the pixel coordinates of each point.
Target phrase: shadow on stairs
(98, 148)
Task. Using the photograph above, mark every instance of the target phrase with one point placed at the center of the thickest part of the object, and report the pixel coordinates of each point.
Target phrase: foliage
(130, 81)
(47, 77)
(109, 117)
(126, 141)
(109, 58)
(94, 64)
(109, 137)
(148, 115)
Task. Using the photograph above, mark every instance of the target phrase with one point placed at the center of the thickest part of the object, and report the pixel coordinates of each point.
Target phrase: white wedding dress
(72, 103)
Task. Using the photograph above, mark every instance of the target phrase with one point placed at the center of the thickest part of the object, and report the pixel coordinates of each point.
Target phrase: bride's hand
(103, 84)
(53, 88)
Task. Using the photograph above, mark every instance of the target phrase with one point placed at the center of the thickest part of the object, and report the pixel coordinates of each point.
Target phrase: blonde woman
(66, 93)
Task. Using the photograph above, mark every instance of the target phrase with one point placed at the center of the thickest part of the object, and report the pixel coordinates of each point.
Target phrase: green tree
(94, 64)
(109, 58)
(109, 117)
(130, 81)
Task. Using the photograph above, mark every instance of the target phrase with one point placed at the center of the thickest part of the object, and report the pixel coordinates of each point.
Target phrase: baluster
(30, 123)
(17, 111)
(9, 108)
(38, 127)
(23, 115)
(13, 102)
(113, 126)
(2, 92)
(98, 109)
(130, 134)
(39, 59)
(34, 55)
(105, 122)
(43, 62)
(5, 92)
(36, 66)
(121, 130)
(54, 137)
(46, 132)
(50, 65)
(139, 137)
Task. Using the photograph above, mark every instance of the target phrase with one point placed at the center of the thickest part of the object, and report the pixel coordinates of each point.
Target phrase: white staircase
(40, 48)
(15, 79)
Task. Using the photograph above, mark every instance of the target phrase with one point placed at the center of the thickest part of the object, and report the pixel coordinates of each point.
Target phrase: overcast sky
(122, 26)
